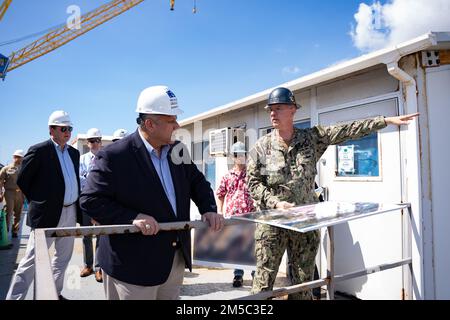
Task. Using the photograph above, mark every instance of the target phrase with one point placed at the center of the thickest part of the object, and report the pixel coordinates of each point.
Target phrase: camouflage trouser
(271, 242)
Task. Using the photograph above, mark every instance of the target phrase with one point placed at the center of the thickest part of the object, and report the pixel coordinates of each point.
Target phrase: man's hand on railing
(147, 224)
(214, 220)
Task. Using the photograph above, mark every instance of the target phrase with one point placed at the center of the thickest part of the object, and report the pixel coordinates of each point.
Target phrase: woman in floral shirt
(234, 190)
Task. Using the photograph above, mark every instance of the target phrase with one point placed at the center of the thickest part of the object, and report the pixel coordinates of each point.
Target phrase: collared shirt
(86, 165)
(234, 189)
(68, 170)
(161, 165)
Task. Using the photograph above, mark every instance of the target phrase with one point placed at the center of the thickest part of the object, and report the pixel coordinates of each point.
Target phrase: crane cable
(33, 35)
(36, 34)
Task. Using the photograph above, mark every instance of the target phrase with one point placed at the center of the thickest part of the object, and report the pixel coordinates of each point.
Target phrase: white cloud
(378, 25)
(291, 70)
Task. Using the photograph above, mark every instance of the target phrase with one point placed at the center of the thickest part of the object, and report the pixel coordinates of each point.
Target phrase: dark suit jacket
(124, 183)
(41, 180)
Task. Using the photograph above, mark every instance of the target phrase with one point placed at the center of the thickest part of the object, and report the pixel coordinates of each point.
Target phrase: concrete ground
(200, 284)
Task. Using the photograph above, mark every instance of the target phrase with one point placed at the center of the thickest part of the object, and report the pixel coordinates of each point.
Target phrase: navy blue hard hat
(282, 96)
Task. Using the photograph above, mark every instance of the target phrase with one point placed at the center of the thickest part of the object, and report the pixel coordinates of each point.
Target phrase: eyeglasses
(64, 129)
(96, 140)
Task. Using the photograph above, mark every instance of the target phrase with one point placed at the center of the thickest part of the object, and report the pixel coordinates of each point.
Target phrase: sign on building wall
(346, 159)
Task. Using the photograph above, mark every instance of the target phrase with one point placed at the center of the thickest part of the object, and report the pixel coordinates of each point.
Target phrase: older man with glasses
(50, 181)
(87, 160)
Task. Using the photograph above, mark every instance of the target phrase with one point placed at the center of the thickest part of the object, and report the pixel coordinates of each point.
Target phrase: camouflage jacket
(279, 172)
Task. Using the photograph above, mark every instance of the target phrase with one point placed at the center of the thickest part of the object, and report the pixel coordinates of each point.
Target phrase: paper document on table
(310, 217)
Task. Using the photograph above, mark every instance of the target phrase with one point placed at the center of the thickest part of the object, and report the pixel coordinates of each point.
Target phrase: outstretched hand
(401, 120)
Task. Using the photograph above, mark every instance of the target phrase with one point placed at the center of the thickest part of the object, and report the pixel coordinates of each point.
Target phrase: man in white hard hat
(13, 195)
(119, 134)
(141, 180)
(49, 179)
(94, 143)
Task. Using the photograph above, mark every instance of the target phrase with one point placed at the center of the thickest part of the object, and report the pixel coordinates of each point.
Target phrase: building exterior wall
(374, 84)
(438, 103)
(356, 87)
(431, 261)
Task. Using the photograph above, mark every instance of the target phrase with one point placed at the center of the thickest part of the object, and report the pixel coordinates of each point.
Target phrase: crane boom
(3, 7)
(58, 37)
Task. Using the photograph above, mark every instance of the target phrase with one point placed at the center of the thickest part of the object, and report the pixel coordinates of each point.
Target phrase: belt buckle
(176, 244)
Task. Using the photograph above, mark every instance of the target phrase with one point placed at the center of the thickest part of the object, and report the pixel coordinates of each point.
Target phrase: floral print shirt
(237, 197)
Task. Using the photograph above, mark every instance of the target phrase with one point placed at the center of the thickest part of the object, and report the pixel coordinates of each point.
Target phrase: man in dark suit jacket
(50, 181)
(142, 179)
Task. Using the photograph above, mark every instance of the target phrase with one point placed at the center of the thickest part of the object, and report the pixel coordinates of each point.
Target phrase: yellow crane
(62, 35)
(3, 7)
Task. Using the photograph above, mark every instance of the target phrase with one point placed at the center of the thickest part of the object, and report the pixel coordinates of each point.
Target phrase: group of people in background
(51, 178)
(11, 193)
(144, 179)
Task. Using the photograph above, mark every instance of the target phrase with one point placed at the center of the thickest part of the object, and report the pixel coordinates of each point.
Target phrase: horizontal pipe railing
(45, 288)
(130, 228)
(321, 282)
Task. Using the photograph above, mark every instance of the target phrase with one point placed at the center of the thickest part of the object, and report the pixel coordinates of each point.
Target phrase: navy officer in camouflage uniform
(280, 175)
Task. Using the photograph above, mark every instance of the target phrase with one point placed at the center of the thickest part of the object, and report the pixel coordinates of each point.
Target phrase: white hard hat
(158, 100)
(93, 133)
(119, 134)
(19, 153)
(59, 118)
(238, 147)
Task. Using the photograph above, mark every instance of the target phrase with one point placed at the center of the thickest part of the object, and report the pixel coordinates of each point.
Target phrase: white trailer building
(395, 165)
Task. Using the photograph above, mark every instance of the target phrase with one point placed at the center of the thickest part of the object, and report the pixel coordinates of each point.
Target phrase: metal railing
(45, 288)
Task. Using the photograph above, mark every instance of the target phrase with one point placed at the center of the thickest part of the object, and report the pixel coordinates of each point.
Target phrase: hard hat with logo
(19, 153)
(238, 147)
(119, 134)
(93, 133)
(60, 118)
(158, 100)
(282, 96)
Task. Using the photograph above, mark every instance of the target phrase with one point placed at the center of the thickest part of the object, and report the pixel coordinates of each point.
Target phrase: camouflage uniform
(279, 172)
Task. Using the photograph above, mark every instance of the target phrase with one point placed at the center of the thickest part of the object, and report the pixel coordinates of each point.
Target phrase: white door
(366, 170)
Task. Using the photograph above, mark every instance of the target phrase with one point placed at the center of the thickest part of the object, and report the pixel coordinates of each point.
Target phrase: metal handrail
(45, 288)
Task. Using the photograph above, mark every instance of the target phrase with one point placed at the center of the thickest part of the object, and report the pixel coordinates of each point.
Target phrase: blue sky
(228, 50)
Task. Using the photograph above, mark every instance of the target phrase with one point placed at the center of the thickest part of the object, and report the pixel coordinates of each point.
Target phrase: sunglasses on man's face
(64, 129)
(94, 140)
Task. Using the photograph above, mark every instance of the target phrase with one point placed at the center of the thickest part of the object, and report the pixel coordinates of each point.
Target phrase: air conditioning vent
(221, 140)
(218, 142)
